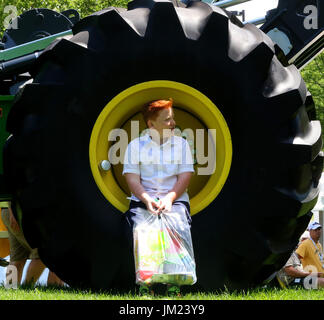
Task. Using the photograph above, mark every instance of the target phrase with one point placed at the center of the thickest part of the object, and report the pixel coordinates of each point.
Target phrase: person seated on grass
(159, 187)
(310, 251)
(20, 251)
(293, 274)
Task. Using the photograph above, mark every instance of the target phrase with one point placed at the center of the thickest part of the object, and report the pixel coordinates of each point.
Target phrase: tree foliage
(313, 75)
(84, 7)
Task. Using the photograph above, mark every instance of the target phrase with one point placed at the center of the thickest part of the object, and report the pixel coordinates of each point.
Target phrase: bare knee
(18, 264)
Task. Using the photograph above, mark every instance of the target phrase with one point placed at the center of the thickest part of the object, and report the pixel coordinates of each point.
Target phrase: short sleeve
(293, 260)
(290, 262)
(131, 158)
(301, 250)
(186, 163)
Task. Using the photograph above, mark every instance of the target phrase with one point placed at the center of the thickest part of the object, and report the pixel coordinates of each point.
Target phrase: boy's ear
(149, 124)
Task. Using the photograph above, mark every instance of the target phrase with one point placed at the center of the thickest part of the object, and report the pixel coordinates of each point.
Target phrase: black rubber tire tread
(248, 232)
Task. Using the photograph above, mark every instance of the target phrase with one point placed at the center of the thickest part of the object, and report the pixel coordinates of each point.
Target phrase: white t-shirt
(158, 165)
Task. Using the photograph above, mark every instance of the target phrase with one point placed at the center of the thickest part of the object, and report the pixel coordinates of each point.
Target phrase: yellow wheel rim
(195, 109)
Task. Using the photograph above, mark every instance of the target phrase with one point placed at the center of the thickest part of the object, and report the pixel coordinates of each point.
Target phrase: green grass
(43, 293)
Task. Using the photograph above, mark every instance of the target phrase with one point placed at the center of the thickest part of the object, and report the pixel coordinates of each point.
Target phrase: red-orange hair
(152, 109)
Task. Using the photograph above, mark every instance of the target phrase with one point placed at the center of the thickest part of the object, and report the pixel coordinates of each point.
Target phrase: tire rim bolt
(104, 165)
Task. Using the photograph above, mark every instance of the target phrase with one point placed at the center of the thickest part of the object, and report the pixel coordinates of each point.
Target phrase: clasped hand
(157, 207)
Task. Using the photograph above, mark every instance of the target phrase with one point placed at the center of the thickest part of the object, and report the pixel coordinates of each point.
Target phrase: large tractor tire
(247, 216)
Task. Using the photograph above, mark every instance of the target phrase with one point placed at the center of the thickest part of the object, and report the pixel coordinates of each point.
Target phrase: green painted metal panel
(5, 106)
(30, 47)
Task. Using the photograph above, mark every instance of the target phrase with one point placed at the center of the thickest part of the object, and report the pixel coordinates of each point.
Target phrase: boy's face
(164, 120)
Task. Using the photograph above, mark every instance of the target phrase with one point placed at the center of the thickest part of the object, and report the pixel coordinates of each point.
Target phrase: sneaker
(173, 291)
